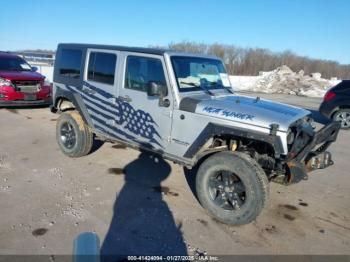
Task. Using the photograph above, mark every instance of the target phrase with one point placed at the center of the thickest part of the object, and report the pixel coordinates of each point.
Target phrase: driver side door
(143, 119)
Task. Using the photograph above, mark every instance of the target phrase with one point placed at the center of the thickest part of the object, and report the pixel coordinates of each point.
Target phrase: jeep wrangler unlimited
(182, 107)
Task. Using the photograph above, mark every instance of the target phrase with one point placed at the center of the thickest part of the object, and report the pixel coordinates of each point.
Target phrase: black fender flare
(214, 129)
(76, 100)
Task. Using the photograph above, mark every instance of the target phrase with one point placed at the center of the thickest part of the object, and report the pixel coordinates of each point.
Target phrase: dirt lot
(140, 204)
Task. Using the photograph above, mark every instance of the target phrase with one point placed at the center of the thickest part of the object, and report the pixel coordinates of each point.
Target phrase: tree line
(250, 61)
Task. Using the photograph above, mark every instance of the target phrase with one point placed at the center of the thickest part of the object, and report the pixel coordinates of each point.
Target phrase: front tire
(343, 116)
(232, 187)
(74, 137)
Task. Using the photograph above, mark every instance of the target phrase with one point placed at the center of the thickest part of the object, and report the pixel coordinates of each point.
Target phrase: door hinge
(110, 122)
(88, 90)
(125, 98)
(113, 100)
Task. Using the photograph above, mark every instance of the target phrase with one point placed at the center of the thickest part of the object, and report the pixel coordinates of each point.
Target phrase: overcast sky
(315, 28)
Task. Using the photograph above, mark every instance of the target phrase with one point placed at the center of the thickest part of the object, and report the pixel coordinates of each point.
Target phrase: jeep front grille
(27, 86)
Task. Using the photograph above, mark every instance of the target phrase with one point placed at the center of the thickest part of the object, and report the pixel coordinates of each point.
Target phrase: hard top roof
(154, 51)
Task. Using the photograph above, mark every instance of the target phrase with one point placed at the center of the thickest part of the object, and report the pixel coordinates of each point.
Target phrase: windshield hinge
(274, 129)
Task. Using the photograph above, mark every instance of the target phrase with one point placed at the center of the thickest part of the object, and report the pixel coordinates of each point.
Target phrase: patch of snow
(243, 82)
(284, 81)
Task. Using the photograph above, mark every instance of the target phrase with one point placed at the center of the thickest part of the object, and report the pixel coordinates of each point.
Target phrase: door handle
(164, 103)
(88, 90)
(125, 98)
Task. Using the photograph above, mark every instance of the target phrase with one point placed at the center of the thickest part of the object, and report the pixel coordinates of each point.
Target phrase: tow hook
(298, 171)
(320, 161)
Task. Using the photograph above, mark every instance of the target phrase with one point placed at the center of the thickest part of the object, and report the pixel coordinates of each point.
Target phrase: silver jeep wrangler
(181, 106)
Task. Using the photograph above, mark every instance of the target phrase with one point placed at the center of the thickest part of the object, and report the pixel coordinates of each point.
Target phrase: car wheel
(343, 116)
(232, 187)
(74, 137)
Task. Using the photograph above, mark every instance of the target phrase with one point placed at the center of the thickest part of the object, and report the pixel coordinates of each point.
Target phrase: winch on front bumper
(313, 155)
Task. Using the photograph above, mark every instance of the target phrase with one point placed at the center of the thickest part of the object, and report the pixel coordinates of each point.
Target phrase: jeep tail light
(329, 96)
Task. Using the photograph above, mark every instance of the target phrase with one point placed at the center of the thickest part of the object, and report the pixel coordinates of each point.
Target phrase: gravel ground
(137, 203)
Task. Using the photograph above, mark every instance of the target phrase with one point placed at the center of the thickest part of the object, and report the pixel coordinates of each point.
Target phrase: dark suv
(336, 104)
(20, 84)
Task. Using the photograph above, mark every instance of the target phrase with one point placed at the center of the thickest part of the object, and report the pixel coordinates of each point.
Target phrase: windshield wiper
(221, 85)
(200, 86)
(228, 89)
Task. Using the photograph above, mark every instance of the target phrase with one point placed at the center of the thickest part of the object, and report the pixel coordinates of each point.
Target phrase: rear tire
(343, 116)
(232, 187)
(74, 137)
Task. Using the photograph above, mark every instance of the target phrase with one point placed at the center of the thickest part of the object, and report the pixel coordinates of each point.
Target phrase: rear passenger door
(142, 118)
(99, 89)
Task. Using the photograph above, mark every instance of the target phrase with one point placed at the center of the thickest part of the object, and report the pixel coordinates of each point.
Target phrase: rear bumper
(14, 103)
(53, 109)
(314, 155)
(327, 109)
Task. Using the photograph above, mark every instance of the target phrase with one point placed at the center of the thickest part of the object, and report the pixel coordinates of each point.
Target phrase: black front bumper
(16, 103)
(313, 155)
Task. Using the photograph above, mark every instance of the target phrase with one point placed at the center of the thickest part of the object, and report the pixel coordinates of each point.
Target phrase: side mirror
(34, 69)
(155, 89)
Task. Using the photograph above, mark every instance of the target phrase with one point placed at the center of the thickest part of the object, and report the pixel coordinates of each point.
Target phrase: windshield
(14, 64)
(198, 73)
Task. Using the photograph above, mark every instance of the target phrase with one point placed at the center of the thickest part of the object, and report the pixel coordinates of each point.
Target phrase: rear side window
(140, 71)
(102, 67)
(70, 63)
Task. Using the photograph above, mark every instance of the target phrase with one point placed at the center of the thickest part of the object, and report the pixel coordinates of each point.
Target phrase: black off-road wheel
(74, 137)
(343, 116)
(232, 187)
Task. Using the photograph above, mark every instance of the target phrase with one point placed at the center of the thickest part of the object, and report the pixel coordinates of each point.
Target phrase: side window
(140, 71)
(102, 67)
(70, 63)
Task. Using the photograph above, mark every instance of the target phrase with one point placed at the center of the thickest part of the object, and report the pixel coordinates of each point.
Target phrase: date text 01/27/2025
(173, 258)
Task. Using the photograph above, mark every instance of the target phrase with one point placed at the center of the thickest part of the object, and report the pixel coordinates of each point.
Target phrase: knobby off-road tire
(74, 137)
(236, 169)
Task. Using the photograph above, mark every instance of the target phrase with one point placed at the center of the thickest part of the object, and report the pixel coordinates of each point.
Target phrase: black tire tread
(86, 140)
(259, 176)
